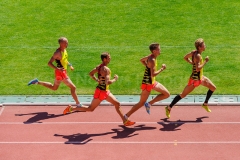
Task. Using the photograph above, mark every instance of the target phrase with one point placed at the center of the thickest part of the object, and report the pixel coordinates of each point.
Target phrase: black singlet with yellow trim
(147, 78)
(196, 75)
(102, 80)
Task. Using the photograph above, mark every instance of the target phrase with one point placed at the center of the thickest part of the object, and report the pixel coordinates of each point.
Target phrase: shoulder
(57, 53)
(151, 60)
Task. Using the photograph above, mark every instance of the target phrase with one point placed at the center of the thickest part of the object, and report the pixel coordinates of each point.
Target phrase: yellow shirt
(63, 63)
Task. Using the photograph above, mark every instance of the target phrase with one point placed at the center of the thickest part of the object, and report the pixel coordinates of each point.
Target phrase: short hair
(62, 39)
(199, 42)
(104, 55)
(154, 46)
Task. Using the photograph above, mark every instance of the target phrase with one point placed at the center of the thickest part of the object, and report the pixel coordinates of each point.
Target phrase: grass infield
(30, 29)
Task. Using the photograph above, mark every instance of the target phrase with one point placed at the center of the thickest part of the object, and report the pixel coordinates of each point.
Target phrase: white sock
(79, 105)
(126, 117)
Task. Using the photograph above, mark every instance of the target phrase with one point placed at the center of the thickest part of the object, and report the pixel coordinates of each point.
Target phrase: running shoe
(68, 109)
(206, 108)
(167, 112)
(128, 123)
(34, 81)
(147, 106)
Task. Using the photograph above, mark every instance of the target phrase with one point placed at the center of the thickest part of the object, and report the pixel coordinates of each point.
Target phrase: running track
(42, 132)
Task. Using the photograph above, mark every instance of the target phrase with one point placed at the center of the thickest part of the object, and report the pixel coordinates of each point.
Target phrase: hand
(163, 66)
(71, 67)
(116, 77)
(207, 59)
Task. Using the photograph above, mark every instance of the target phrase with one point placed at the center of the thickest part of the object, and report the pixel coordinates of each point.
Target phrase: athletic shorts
(148, 87)
(101, 94)
(193, 82)
(60, 75)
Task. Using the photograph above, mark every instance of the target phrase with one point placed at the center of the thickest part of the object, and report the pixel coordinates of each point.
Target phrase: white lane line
(138, 123)
(127, 142)
(1, 111)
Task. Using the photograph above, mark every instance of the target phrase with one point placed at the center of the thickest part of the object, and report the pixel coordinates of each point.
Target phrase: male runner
(60, 56)
(196, 78)
(149, 82)
(102, 91)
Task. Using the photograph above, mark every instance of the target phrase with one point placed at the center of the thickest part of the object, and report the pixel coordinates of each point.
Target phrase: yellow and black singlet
(102, 80)
(63, 63)
(196, 75)
(147, 78)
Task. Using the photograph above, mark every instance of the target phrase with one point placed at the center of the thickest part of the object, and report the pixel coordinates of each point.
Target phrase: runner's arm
(92, 74)
(198, 65)
(152, 67)
(187, 57)
(144, 60)
(107, 73)
(53, 58)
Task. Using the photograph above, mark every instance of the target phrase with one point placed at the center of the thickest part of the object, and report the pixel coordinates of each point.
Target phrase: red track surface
(42, 132)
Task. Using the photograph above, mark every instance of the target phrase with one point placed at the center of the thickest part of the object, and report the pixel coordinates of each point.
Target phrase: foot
(68, 109)
(147, 106)
(206, 108)
(34, 81)
(128, 123)
(167, 111)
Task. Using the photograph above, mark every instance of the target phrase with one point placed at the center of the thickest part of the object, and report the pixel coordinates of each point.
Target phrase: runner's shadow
(126, 132)
(174, 125)
(38, 116)
(80, 139)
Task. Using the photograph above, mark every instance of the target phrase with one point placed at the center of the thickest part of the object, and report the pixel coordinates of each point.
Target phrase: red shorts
(193, 82)
(101, 94)
(60, 75)
(148, 87)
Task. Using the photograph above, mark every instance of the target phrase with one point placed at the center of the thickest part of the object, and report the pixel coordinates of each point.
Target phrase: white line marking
(1, 111)
(127, 142)
(138, 123)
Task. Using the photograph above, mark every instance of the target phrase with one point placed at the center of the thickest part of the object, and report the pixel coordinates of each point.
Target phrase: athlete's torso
(63, 63)
(102, 79)
(196, 75)
(147, 78)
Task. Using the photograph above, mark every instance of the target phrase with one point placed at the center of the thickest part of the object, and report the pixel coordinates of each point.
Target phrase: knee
(214, 88)
(167, 94)
(54, 88)
(182, 95)
(73, 88)
(91, 109)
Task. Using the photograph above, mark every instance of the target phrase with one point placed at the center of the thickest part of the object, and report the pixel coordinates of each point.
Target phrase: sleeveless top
(196, 75)
(147, 79)
(63, 63)
(102, 80)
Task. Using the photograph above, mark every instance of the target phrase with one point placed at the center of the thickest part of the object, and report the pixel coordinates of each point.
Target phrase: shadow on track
(126, 132)
(174, 125)
(38, 116)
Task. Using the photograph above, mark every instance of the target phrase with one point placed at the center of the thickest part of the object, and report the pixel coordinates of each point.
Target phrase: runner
(60, 56)
(102, 91)
(149, 83)
(196, 78)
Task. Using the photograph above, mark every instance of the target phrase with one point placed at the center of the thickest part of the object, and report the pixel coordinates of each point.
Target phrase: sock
(209, 94)
(126, 117)
(175, 100)
(79, 105)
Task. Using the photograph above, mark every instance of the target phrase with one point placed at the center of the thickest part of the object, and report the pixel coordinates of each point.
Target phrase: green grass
(30, 29)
